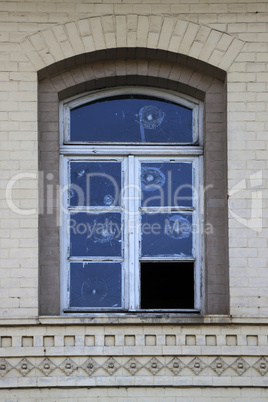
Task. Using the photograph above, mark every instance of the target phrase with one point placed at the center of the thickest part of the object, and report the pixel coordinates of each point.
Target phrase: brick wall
(36, 37)
(40, 39)
(139, 394)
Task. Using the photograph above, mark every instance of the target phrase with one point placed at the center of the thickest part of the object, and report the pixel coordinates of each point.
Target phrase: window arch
(132, 163)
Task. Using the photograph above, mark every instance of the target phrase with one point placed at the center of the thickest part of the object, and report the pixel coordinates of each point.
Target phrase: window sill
(141, 319)
(125, 319)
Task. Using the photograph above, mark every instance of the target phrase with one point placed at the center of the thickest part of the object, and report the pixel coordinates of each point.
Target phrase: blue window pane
(166, 235)
(167, 184)
(95, 183)
(95, 234)
(95, 285)
(134, 118)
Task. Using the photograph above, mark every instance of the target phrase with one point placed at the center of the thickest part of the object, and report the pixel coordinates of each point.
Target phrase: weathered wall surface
(231, 36)
(133, 355)
(139, 394)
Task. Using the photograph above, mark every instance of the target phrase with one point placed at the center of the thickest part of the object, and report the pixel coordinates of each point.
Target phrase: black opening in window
(167, 285)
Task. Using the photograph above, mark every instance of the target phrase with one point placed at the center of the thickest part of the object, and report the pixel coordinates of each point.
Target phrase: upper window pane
(131, 119)
(167, 184)
(95, 183)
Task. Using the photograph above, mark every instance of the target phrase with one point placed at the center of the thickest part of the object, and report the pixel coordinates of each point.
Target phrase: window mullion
(132, 233)
(197, 227)
(137, 217)
(64, 232)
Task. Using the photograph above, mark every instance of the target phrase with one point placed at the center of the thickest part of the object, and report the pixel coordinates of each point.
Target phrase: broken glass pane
(135, 118)
(95, 284)
(95, 183)
(175, 287)
(167, 235)
(95, 234)
(167, 184)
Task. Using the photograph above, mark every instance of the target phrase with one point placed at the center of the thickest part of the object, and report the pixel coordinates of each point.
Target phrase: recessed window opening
(131, 163)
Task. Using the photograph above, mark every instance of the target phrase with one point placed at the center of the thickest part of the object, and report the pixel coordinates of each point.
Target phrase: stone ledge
(120, 319)
(134, 319)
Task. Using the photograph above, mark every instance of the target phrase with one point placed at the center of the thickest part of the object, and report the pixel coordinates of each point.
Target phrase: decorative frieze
(91, 355)
(153, 365)
(94, 340)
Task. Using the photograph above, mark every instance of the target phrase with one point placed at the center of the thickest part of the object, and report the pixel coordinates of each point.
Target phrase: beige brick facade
(213, 51)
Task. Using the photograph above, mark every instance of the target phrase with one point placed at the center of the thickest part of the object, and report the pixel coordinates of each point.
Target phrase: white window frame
(131, 155)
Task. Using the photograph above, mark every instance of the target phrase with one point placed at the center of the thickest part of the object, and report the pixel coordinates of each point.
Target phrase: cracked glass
(166, 235)
(95, 284)
(95, 183)
(95, 234)
(135, 118)
(167, 184)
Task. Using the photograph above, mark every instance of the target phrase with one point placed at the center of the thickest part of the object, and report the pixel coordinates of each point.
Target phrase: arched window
(132, 213)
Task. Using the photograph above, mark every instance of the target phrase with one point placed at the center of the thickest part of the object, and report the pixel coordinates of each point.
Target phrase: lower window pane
(95, 285)
(167, 285)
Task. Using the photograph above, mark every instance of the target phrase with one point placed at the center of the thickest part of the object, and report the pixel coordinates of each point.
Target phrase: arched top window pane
(131, 119)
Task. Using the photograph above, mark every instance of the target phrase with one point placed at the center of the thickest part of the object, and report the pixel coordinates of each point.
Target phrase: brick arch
(87, 35)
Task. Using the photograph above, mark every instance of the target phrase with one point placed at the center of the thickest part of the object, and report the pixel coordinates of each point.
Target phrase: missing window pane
(167, 285)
